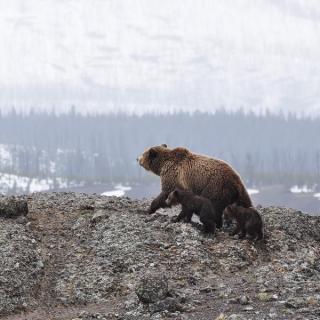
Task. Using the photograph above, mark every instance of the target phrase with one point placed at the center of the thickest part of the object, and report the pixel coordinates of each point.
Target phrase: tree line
(265, 149)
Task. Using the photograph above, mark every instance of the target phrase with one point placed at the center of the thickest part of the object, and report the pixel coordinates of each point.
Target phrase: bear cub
(192, 203)
(248, 221)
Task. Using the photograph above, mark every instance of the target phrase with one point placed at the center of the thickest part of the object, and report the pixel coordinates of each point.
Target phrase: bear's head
(173, 198)
(152, 159)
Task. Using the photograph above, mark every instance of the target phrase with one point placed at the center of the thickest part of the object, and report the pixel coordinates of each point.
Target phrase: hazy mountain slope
(143, 55)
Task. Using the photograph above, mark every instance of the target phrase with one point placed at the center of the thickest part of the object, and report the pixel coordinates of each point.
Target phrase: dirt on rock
(81, 256)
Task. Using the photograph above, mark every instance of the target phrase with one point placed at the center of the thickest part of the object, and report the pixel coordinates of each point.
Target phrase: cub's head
(228, 213)
(152, 158)
(172, 199)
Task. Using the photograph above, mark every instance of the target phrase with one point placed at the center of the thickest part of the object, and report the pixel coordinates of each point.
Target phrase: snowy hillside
(14, 184)
(148, 54)
(5, 156)
(14, 159)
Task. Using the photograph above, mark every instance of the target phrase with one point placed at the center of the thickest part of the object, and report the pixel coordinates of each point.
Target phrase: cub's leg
(217, 204)
(260, 234)
(208, 221)
(235, 231)
(184, 214)
(188, 215)
(243, 231)
(251, 230)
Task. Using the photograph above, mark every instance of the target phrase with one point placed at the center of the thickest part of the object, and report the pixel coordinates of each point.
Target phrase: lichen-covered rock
(152, 288)
(21, 268)
(91, 257)
(12, 207)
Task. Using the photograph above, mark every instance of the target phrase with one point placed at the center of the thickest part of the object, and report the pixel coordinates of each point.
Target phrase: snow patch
(20, 184)
(120, 191)
(303, 189)
(5, 155)
(253, 191)
(317, 195)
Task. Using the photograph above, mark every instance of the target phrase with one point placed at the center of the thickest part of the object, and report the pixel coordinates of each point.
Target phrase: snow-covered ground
(302, 189)
(119, 191)
(5, 155)
(21, 184)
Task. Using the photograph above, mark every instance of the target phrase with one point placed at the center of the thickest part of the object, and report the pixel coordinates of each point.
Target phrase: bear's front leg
(158, 202)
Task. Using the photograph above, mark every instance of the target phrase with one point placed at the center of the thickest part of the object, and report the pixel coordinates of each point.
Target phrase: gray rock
(152, 288)
(67, 256)
(244, 300)
(12, 207)
(99, 215)
(236, 316)
(168, 304)
(20, 267)
(295, 303)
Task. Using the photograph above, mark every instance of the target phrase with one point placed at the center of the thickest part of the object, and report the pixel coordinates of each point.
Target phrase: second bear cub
(248, 221)
(192, 203)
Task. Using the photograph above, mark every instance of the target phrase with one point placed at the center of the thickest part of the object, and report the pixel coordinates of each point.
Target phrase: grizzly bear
(192, 203)
(248, 221)
(208, 177)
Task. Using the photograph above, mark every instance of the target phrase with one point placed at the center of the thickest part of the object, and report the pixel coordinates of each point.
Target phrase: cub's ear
(164, 145)
(176, 192)
(227, 209)
(152, 153)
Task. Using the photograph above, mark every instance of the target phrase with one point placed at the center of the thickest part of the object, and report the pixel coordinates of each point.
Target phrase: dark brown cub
(192, 203)
(248, 221)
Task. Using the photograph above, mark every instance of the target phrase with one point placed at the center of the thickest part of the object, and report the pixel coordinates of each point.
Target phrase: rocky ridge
(80, 256)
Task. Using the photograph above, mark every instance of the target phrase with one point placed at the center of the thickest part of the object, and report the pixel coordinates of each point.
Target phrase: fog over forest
(85, 149)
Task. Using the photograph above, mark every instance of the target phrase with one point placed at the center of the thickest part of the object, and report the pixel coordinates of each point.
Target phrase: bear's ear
(164, 145)
(152, 153)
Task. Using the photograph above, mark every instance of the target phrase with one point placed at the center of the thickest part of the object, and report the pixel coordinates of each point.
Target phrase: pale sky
(103, 55)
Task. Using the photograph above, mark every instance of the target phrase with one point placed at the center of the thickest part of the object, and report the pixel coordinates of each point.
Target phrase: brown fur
(192, 203)
(248, 221)
(209, 177)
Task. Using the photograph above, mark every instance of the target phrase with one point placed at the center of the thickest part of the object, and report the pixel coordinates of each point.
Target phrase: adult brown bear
(209, 177)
